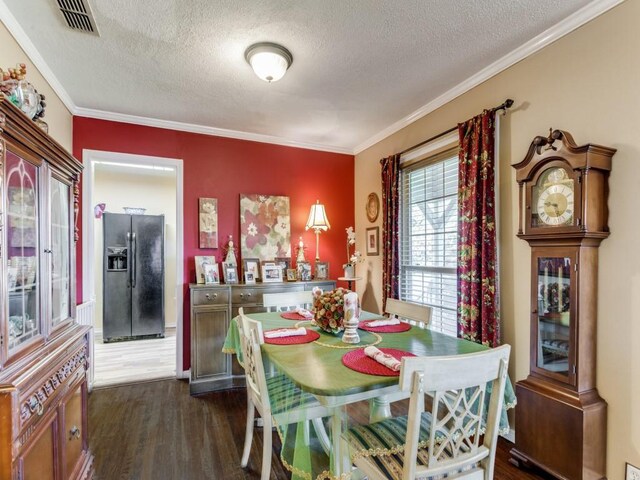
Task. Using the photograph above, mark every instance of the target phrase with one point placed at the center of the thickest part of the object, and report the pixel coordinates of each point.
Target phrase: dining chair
(413, 312)
(445, 441)
(280, 302)
(277, 399)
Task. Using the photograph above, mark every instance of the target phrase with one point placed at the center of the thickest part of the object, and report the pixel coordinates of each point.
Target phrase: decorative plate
(372, 207)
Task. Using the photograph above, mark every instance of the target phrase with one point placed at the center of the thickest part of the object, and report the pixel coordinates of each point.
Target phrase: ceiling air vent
(77, 15)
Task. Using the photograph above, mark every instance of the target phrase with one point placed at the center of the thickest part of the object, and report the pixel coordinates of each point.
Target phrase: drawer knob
(74, 432)
(248, 294)
(241, 295)
(208, 296)
(215, 295)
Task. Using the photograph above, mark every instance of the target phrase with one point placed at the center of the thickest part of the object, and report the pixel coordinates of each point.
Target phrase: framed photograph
(208, 222)
(373, 241)
(292, 275)
(211, 273)
(284, 263)
(271, 273)
(304, 271)
(322, 270)
(251, 265)
(230, 273)
(200, 262)
(249, 278)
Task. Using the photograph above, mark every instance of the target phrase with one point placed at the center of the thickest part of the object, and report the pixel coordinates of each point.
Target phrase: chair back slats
(458, 385)
(410, 311)
(250, 340)
(282, 302)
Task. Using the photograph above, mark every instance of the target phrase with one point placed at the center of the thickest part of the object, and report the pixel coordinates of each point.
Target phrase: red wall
(224, 168)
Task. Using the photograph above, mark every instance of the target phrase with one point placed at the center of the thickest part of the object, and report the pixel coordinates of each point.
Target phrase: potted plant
(352, 259)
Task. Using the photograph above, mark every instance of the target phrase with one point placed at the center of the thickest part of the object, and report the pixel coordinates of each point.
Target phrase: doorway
(116, 183)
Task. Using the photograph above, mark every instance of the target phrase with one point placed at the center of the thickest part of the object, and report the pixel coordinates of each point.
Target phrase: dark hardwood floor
(156, 431)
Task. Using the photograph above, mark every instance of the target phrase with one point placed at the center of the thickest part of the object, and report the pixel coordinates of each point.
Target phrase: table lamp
(318, 221)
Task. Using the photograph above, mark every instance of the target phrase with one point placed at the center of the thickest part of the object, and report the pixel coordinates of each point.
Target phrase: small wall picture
(200, 261)
(373, 241)
(304, 271)
(252, 265)
(292, 275)
(211, 273)
(322, 270)
(208, 222)
(249, 278)
(230, 273)
(271, 273)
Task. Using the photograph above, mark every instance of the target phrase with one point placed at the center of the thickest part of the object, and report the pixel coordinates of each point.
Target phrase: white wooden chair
(443, 442)
(413, 312)
(278, 400)
(282, 302)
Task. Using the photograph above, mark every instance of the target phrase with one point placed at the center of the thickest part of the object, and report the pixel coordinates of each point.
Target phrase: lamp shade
(269, 61)
(318, 218)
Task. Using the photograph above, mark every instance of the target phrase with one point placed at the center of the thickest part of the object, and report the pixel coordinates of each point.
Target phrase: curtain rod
(508, 103)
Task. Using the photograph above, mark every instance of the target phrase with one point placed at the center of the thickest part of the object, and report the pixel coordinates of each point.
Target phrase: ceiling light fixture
(269, 61)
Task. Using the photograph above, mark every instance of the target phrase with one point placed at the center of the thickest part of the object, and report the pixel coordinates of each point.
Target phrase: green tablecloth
(317, 367)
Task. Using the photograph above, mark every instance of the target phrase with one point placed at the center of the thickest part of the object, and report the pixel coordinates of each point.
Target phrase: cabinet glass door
(554, 314)
(22, 234)
(60, 248)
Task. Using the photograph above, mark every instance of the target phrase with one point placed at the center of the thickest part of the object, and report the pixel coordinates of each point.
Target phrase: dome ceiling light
(269, 61)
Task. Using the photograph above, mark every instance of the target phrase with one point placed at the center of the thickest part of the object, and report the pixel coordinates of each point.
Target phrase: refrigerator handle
(134, 260)
(128, 259)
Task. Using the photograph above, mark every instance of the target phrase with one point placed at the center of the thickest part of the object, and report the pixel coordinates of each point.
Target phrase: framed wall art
(208, 222)
(372, 207)
(265, 226)
(373, 241)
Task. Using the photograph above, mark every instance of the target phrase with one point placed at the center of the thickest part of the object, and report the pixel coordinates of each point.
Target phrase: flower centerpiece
(328, 308)
(352, 259)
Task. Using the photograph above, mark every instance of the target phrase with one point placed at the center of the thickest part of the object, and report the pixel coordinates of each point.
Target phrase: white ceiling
(360, 67)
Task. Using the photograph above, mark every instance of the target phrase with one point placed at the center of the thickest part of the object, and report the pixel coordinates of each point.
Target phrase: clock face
(553, 199)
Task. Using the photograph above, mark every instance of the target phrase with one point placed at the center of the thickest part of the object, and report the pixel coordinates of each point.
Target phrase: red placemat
(293, 340)
(294, 316)
(401, 327)
(357, 360)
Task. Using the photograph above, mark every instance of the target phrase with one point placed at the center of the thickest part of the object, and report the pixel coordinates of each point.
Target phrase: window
(428, 238)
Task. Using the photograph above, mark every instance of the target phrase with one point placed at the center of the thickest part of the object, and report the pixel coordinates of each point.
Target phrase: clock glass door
(554, 315)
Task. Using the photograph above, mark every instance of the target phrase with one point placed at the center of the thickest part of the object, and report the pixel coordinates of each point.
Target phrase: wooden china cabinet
(43, 352)
(561, 420)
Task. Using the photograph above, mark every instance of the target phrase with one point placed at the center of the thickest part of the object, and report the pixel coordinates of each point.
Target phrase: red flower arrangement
(328, 308)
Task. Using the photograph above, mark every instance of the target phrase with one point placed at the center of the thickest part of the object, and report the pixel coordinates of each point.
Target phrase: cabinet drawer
(241, 295)
(210, 296)
(73, 435)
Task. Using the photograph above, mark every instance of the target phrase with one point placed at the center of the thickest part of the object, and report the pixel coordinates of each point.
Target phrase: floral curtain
(390, 225)
(478, 300)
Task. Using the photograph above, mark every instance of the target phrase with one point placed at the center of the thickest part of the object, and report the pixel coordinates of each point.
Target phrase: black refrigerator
(133, 277)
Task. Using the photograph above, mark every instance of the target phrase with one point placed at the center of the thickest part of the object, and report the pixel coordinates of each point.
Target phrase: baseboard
(511, 436)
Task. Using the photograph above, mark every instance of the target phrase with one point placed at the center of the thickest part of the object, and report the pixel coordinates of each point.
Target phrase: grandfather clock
(561, 421)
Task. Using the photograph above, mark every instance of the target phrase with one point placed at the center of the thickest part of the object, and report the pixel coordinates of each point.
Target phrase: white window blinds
(428, 238)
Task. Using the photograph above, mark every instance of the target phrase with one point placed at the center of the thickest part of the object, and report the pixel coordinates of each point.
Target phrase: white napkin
(285, 332)
(383, 323)
(383, 358)
(303, 312)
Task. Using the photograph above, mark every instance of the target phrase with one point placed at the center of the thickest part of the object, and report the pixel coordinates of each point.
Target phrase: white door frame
(88, 259)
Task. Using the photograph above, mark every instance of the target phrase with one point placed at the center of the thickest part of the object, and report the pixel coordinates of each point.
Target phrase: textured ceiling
(359, 65)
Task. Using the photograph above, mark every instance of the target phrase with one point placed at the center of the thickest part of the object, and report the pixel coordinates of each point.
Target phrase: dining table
(317, 368)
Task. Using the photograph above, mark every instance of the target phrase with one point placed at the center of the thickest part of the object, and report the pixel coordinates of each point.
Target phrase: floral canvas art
(265, 226)
(208, 215)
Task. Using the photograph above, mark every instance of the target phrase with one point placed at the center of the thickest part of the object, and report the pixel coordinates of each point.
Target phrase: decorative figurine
(300, 251)
(231, 253)
(351, 318)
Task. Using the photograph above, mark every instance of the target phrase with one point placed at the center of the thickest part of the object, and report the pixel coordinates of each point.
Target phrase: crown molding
(559, 30)
(32, 52)
(204, 130)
